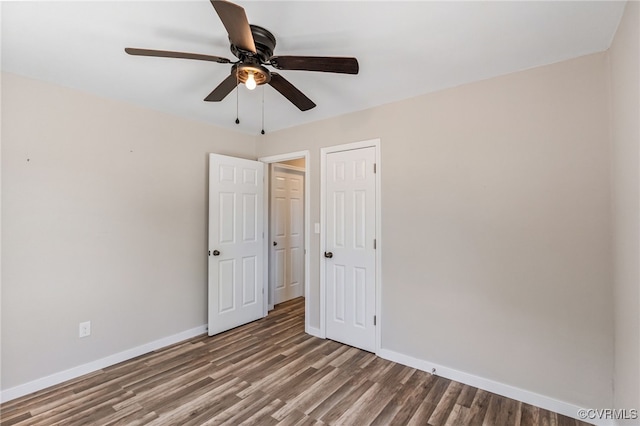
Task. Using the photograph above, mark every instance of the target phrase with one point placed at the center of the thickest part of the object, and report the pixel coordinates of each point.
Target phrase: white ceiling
(404, 49)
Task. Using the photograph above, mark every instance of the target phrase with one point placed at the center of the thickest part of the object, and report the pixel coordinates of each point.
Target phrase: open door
(236, 214)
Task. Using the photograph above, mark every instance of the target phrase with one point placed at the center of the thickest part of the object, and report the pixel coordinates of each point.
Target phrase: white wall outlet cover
(84, 329)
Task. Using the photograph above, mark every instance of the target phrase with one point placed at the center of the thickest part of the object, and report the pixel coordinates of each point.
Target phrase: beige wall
(104, 219)
(495, 226)
(625, 113)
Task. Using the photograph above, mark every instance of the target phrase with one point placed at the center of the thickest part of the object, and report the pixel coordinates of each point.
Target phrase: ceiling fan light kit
(253, 46)
(251, 75)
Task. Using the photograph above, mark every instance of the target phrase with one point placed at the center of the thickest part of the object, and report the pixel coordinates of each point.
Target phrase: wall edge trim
(503, 389)
(90, 367)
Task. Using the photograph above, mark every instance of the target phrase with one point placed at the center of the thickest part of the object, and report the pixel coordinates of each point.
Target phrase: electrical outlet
(85, 329)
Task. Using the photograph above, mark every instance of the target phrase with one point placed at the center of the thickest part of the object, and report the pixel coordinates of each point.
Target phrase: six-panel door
(350, 258)
(235, 242)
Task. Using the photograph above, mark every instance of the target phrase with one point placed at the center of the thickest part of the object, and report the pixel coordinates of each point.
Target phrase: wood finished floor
(268, 373)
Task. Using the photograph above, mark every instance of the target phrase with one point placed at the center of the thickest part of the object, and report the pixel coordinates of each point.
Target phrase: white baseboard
(313, 331)
(551, 404)
(72, 373)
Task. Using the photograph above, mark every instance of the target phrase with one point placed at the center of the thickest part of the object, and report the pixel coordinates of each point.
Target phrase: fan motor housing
(265, 44)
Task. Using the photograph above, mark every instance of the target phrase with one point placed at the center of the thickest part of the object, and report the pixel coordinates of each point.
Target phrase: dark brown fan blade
(223, 89)
(236, 23)
(180, 55)
(316, 63)
(290, 92)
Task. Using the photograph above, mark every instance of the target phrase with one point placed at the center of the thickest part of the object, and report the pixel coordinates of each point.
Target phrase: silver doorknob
(216, 253)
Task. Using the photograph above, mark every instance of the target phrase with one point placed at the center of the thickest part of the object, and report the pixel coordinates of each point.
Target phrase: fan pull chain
(237, 98)
(262, 132)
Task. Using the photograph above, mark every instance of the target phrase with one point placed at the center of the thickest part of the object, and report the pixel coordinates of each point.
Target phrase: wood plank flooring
(268, 373)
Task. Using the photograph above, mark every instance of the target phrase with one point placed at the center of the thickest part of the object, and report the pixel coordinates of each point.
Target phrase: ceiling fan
(253, 46)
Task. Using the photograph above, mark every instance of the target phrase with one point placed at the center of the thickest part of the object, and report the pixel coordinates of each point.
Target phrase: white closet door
(235, 242)
(350, 259)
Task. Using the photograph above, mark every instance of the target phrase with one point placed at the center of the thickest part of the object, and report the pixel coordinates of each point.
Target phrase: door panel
(249, 217)
(349, 236)
(250, 277)
(235, 233)
(226, 290)
(360, 291)
(339, 294)
(287, 224)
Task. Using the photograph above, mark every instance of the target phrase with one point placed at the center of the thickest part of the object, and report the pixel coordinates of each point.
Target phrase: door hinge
(374, 243)
(374, 168)
(374, 320)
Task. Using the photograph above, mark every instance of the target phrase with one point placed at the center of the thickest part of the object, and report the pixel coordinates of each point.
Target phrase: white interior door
(350, 259)
(286, 272)
(235, 242)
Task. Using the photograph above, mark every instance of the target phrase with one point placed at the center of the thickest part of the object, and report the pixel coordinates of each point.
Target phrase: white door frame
(323, 207)
(307, 223)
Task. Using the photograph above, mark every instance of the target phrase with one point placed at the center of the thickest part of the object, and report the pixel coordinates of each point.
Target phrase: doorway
(286, 230)
(294, 162)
